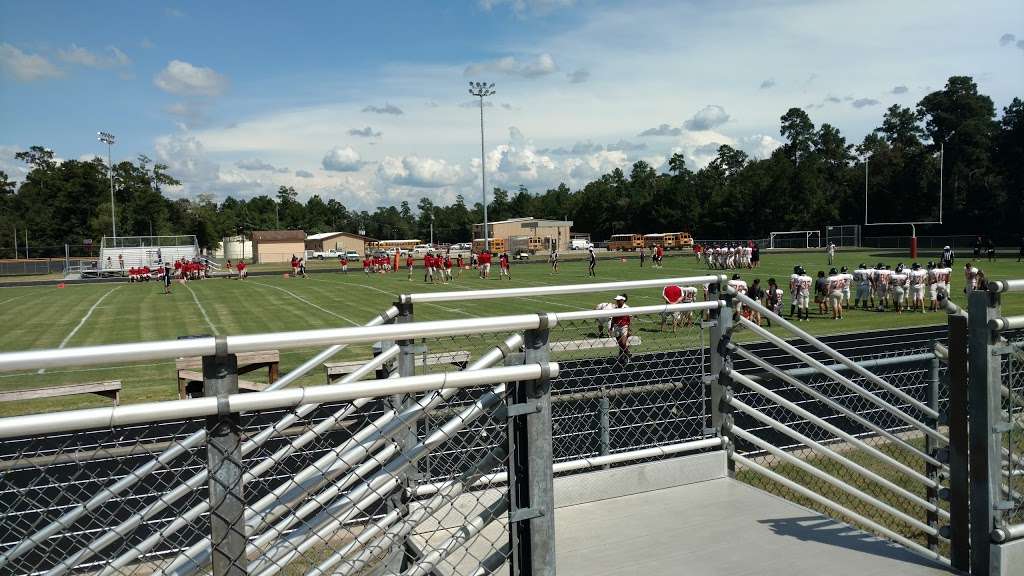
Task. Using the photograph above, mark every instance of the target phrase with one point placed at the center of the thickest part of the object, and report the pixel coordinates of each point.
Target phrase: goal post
(797, 239)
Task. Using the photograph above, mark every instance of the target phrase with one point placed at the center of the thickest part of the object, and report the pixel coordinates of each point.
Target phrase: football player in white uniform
(794, 289)
(882, 274)
(836, 283)
(971, 277)
(845, 272)
(932, 281)
(898, 282)
(804, 282)
(862, 277)
(740, 286)
(918, 278)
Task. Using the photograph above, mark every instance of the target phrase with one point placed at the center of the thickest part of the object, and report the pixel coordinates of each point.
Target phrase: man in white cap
(620, 327)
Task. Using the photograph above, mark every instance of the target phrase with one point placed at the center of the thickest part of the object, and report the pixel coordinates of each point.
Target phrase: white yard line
(81, 322)
(382, 291)
(303, 300)
(15, 298)
(202, 310)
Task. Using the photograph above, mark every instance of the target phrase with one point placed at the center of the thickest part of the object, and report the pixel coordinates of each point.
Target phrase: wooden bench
(590, 344)
(111, 389)
(190, 375)
(460, 358)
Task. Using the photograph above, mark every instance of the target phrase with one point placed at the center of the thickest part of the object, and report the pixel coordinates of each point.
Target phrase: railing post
(932, 447)
(402, 554)
(721, 362)
(985, 440)
(604, 406)
(531, 481)
(224, 461)
(957, 413)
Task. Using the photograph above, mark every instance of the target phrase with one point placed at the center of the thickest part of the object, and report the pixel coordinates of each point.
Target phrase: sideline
(203, 310)
(81, 322)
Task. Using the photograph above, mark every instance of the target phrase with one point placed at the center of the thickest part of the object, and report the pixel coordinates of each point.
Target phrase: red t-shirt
(621, 320)
(366, 262)
(177, 265)
(672, 293)
(241, 266)
(409, 261)
(485, 258)
(344, 261)
(459, 262)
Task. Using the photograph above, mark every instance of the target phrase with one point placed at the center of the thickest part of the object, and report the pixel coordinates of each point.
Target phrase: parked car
(352, 255)
(580, 244)
(321, 255)
(422, 249)
(521, 255)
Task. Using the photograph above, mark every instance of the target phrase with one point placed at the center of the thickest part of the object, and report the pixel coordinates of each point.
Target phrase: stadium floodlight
(481, 90)
(108, 139)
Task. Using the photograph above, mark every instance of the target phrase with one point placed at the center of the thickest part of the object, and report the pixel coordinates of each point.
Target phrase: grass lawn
(79, 315)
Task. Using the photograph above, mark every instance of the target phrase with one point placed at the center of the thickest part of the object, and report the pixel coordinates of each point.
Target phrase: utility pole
(482, 90)
(109, 140)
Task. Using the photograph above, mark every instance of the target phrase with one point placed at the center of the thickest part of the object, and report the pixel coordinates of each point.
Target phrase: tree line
(815, 179)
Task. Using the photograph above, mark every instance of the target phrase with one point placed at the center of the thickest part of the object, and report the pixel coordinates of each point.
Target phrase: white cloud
(864, 102)
(766, 84)
(364, 132)
(186, 158)
(26, 67)
(419, 172)
(112, 57)
(900, 89)
(540, 65)
(759, 145)
(259, 165)
(521, 7)
(711, 116)
(341, 160)
(387, 108)
(182, 78)
(578, 76)
(662, 130)
(303, 174)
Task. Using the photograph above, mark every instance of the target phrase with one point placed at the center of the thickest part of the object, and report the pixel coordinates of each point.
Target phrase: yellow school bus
(625, 242)
(497, 245)
(677, 240)
(652, 240)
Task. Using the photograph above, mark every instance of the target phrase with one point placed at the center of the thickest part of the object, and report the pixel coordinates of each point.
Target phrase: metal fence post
(957, 413)
(721, 362)
(985, 441)
(401, 554)
(531, 481)
(224, 460)
(932, 448)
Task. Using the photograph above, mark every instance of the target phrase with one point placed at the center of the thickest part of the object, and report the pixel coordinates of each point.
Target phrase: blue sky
(239, 98)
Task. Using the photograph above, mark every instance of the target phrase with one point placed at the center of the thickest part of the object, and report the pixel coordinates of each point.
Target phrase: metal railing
(988, 349)
(848, 439)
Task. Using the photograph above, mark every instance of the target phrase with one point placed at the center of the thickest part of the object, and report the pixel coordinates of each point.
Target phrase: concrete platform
(680, 517)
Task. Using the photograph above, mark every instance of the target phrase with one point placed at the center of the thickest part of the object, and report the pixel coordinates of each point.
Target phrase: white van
(580, 244)
(422, 249)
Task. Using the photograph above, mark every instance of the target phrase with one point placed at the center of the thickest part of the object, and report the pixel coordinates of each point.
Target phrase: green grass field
(78, 315)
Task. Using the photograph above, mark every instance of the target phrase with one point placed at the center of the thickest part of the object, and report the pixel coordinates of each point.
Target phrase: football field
(42, 317)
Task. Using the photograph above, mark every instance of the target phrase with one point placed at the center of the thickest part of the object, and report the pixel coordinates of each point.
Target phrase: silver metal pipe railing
(803, 387)
(395, 531)
(842, 510)
(1007, 533)
(1006, 286)
(838, 458)
(869, 376)
(340, 459)
(190, 515)
(164, 350)
(556, 290)
(195, 439)
(835, 482)
(470, 530)
(1006, 323)
(286, 549)
(853, 440)
(846, 382)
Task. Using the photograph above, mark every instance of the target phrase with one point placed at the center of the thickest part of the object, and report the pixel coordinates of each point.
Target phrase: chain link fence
(389, 482)
(1012, 402)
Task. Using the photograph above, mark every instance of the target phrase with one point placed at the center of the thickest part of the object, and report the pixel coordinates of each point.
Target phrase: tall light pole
(482, 90)
(109, 140)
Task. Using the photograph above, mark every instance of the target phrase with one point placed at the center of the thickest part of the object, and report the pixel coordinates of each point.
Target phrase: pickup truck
(310, 254)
